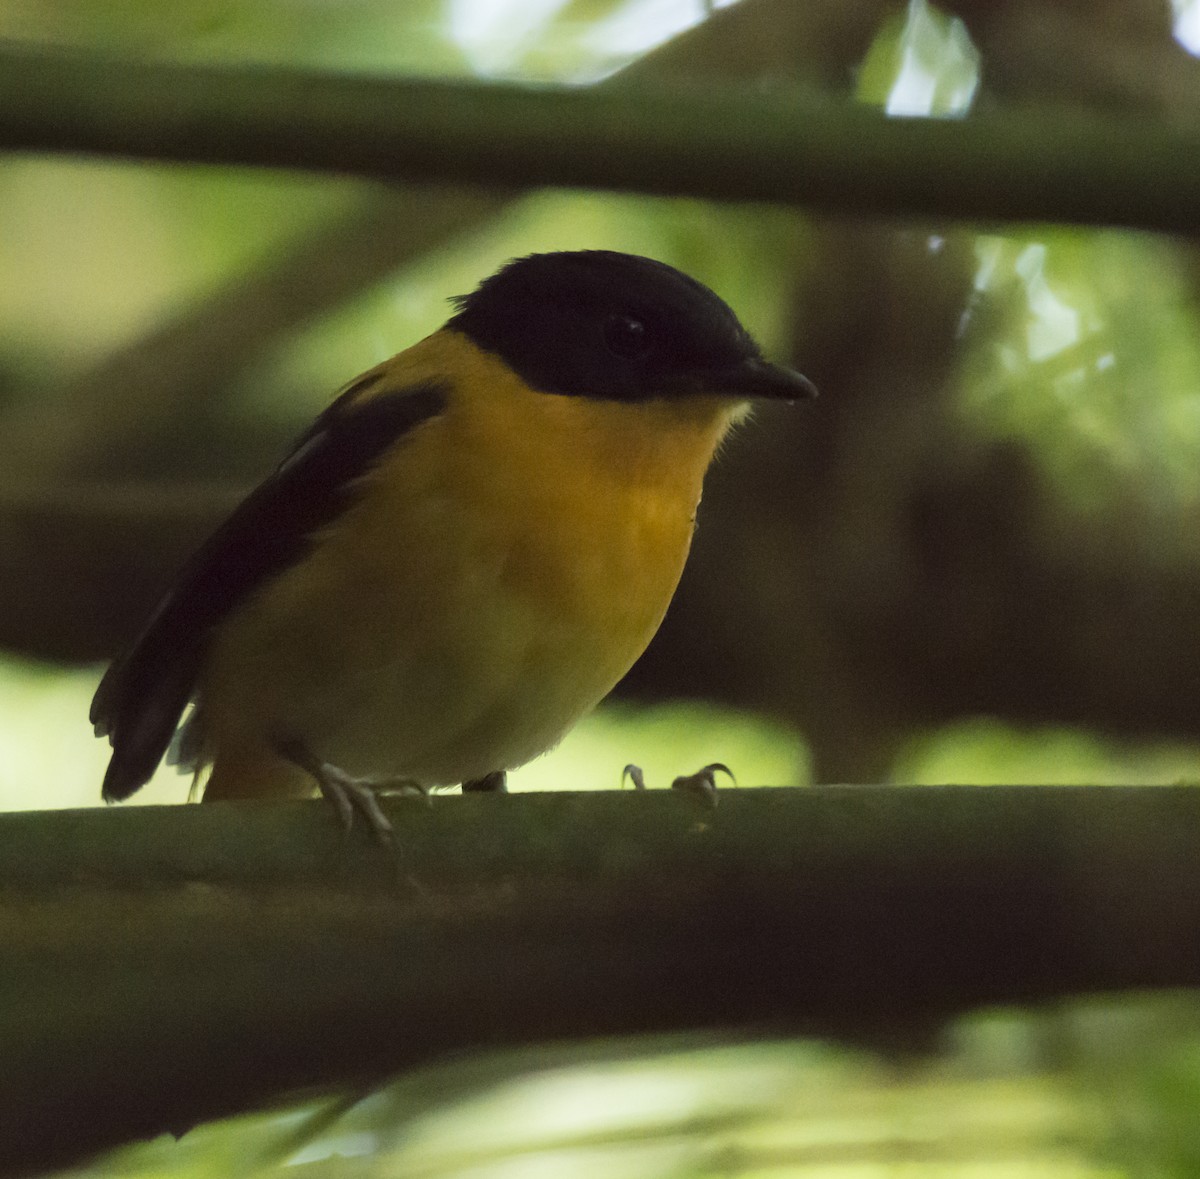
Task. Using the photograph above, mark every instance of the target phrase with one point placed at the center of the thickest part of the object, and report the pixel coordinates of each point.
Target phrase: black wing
(142, 695)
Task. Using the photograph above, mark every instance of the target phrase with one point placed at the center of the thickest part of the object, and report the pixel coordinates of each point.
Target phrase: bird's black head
(595, 323)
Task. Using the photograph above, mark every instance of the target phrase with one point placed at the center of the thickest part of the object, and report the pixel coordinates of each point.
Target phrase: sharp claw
(704, 782)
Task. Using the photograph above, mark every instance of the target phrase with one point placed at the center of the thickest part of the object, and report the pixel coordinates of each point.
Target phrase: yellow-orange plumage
(483, 605)
(461, 557)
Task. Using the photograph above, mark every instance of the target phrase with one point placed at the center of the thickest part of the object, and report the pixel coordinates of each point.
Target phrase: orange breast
(501, 570)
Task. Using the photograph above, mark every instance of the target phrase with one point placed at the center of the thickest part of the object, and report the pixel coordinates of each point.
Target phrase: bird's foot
(703, 783)
(349, 794)
(354, 794)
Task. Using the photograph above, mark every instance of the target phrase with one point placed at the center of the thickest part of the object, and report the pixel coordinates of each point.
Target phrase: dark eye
(626, 337)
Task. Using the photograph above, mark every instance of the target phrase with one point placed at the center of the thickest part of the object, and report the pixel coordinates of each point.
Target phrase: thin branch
(718, 143)
(165, 965)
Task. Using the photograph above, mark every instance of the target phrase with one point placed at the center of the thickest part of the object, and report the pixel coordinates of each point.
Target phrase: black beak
(756, 378)
(752, 379)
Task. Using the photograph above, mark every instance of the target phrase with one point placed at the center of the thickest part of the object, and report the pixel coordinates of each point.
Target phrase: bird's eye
(626, 337)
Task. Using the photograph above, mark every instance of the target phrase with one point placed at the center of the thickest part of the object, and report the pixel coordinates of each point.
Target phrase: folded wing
(142, 696)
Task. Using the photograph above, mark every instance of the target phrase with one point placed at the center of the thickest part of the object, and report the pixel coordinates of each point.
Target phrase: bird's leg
(349, 794)
(702, 783)
(496, 783)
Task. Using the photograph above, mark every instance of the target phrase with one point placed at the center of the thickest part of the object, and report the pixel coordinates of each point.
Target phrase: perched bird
(460, 558)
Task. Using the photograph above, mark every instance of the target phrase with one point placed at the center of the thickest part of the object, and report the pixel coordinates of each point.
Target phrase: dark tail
(137, 707)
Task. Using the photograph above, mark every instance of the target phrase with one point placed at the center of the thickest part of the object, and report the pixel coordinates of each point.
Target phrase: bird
(460, 558)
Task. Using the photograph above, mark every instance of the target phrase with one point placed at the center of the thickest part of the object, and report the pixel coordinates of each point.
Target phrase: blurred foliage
(1187, 23)
(921, 62)
(577, 40)
(1091, 1090)
(1089, 352)
(42, 741)
(105, 250)
(1082, 346)
(990, 752)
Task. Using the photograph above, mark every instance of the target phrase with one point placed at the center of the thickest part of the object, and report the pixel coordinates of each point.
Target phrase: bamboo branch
(159, 966)
(719, 143)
